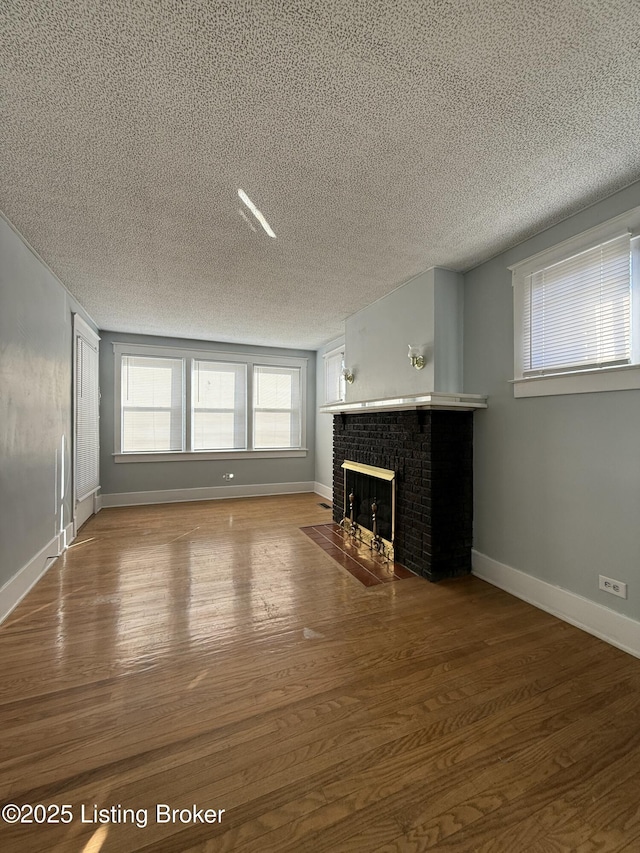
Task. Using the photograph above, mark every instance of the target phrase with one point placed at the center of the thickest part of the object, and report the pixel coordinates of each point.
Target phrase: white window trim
(618, 378)
(208, 455)
(120, 349)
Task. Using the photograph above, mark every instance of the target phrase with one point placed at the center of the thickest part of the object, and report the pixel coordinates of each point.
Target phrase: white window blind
(577, 312)
(218, 394)
(87, 402)
(277, 407)
(152, 409)
(334, 384)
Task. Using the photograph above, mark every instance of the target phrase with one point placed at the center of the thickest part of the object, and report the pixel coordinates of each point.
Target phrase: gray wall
(448, 330)
(324, 423)
(426, 312)
(35, 390)
(377, 340)
(557, 479)
(119, 478)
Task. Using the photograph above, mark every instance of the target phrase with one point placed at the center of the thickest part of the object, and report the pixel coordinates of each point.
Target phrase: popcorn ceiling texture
(378, 138)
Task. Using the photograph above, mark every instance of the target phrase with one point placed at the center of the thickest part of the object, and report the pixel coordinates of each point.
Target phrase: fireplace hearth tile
(359, 562)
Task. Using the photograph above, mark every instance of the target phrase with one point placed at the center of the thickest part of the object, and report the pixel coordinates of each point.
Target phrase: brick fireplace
(431, 452)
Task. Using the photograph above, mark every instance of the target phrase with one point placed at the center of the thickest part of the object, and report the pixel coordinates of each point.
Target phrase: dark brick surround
(432, 454)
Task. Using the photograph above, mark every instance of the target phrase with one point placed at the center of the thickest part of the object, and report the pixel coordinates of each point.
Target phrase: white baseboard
(612, 627)
(206, 493)
(85, 508)
(323, 491)
(25, 578)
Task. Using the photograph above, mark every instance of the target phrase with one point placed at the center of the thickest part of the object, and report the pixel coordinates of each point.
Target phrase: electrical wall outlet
(614, 587)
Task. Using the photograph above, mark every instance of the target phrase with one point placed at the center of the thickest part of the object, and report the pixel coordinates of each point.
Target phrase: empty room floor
(205, 677)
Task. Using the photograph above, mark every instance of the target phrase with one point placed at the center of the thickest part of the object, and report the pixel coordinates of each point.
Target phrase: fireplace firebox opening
(370, 506)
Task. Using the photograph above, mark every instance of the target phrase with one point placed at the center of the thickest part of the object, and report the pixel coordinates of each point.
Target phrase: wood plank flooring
(210, 654)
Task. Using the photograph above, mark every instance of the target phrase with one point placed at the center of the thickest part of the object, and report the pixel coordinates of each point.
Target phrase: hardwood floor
(211, 654)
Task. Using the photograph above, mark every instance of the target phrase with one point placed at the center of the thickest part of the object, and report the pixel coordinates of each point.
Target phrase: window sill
(624, 378)
(209, 455)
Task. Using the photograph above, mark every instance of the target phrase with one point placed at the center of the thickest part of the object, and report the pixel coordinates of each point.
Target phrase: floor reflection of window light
(84, 542)
(197, 680)
(96, 841)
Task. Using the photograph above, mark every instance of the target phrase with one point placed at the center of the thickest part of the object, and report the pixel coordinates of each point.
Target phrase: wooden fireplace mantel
(432, 400)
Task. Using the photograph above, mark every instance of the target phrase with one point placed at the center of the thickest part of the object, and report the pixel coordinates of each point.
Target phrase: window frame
(576, 380)
(121, 349)
(85, 335)
(255, 408)
(240, 416)
(334, 353)
(169, 409)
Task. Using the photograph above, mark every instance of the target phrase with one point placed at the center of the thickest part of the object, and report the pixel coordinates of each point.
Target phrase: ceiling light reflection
(258, 215)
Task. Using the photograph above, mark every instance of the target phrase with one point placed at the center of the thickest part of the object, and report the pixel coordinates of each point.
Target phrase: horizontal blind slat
(152, 393)
(277, 415)
(218, 395)
(578, 311)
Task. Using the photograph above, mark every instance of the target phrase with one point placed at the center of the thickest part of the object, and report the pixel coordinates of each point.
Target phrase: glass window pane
(149, 381)
(577, 312)
(214, 385)
(152, 404)
(147, 430)
(272, 429)
(219, 405)
(274, 388)
(214, 431)
(334, 384)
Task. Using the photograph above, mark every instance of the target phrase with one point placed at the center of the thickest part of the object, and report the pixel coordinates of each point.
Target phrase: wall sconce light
(348, 375)
(416, 358)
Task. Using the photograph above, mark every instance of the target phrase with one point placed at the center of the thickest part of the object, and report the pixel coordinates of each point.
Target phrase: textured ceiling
(378, 138)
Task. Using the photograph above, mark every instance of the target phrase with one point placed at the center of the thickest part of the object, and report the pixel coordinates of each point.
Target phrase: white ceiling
(378, 138)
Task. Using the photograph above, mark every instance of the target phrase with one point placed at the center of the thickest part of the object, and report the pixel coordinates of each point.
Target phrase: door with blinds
(86, 467)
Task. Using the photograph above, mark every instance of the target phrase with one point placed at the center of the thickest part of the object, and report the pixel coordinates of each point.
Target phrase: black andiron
(350, 525)
(377, 542)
